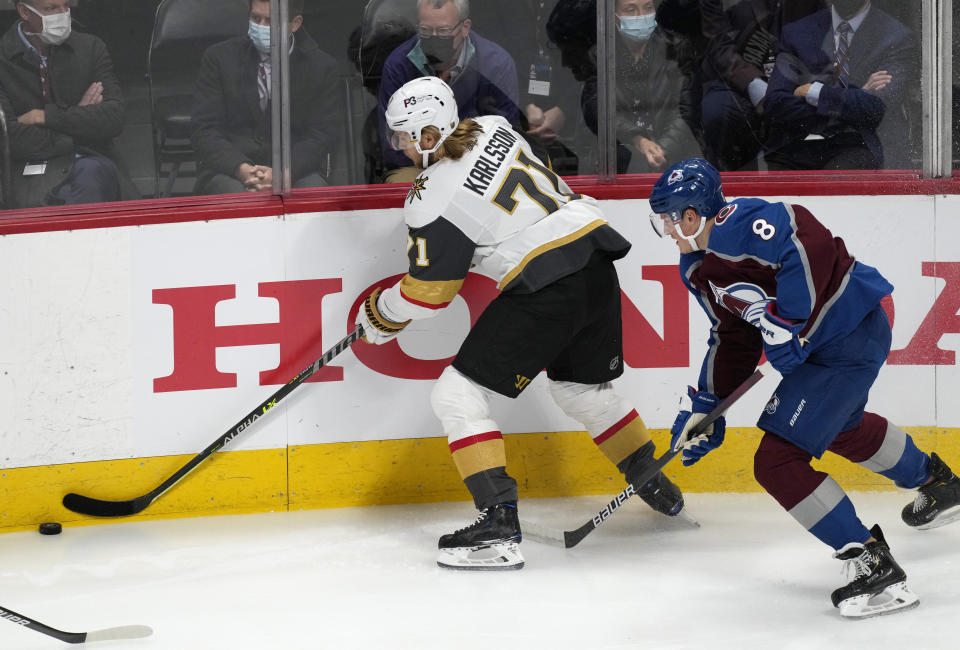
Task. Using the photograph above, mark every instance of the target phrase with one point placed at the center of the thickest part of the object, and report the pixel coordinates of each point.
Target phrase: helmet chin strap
(692, 239)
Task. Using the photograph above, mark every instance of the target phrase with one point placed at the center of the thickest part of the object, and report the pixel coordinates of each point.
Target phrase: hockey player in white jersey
(484, 201)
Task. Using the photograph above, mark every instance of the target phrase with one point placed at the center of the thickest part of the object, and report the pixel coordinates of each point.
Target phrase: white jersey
(498, 209)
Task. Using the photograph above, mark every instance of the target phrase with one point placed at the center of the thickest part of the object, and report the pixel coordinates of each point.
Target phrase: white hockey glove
(376, 329)
(694, 406)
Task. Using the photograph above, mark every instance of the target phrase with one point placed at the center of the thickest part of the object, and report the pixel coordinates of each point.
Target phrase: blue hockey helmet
(691, 183)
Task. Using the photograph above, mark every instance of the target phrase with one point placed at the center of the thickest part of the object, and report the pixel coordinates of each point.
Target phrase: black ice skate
(661, 494)
(489, 543)
(875, 582)
(938, 502)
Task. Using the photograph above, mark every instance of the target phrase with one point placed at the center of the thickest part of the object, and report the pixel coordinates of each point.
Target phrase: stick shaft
(573, 537)
(101, 508)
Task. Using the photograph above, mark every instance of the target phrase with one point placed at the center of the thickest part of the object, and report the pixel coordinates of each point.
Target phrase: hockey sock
(490, 487)
(481, 461)
(814, 499)
(885, 449)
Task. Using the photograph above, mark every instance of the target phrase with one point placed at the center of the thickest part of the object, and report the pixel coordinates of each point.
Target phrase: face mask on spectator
(437, 49)
(260, 35)
(56, 27)
(638, 28)
(847, 8)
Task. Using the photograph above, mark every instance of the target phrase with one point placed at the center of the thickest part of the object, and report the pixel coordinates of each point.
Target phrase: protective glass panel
(956, 87)
(810, 85)
(514, 58)
(657, 52)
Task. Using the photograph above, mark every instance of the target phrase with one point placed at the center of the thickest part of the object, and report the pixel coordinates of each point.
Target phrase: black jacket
(648, 96)
(229, 126)
(68, 128)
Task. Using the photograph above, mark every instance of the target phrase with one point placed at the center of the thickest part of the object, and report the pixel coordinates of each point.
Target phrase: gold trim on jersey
(543, 248)
(430, 293)
(480, 456)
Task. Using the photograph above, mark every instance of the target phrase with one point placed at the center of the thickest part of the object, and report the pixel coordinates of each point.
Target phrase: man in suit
(232, 115)
(740, 55)
(836, 99)
(64, 106)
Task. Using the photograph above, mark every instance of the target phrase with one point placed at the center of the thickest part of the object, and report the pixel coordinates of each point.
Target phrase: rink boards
(129, 349)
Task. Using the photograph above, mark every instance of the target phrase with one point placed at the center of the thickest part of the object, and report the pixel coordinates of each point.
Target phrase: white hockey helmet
(417, 104)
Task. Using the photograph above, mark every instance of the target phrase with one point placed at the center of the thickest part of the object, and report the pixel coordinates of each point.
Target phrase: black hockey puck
(50, 528)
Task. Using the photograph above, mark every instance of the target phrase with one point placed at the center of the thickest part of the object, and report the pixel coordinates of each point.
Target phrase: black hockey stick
(100, 508)
(109, 634)
(570, 538)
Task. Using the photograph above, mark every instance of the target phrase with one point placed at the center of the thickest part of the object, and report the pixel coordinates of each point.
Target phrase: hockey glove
(694, 406)
(376, 329)
(781, 341)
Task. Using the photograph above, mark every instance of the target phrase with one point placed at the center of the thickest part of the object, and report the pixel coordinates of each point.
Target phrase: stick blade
(540, 534)
(100, 508)
(118, 633)
(573, 537)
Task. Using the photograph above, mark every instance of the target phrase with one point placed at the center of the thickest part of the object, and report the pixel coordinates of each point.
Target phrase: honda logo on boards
(196, 336)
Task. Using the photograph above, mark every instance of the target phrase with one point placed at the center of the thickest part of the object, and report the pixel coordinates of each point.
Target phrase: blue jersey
(758, 252)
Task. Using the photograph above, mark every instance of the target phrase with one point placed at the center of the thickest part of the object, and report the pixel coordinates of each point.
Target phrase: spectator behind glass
(548, 91)
(480, 72)
(740, 56)
(836, 96)
(681, 20)
(61, 87)
(232, 114)
(651, 132)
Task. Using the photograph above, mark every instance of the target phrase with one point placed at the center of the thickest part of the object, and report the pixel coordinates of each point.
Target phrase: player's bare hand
(878, 80)
(801, 91)
(35, 117)
(93, 95)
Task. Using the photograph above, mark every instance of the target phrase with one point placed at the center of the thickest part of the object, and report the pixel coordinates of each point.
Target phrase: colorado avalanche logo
(724, 213)
(743, 299)
(675, 175)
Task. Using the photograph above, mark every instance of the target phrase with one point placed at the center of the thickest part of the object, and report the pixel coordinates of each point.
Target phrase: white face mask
(56, 27)
(638, 28)
(260, 35)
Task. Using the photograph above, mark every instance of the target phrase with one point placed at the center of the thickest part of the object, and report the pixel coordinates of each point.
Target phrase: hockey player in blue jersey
(772, 279)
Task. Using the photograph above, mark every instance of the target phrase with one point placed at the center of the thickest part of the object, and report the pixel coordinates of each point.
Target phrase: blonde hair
(457, 144)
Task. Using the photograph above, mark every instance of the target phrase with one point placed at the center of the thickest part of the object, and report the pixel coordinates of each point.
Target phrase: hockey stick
(570, 538)
(109, 634)
(100, 508)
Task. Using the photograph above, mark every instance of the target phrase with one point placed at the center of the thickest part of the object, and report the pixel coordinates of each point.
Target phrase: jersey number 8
(764, 229)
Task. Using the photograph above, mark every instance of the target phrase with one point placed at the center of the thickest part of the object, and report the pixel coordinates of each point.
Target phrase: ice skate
(938, 502)
(662, 495)
(875, 583)
(491, 543)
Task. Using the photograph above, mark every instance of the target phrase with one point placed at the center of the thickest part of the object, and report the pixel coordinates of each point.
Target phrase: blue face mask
(260, 35)
(638, 28)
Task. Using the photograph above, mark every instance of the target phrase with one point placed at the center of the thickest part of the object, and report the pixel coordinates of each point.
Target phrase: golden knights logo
(521, 382)
(418, 186)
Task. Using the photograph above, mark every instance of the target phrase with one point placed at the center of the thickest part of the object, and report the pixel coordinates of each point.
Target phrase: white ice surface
(750, 577)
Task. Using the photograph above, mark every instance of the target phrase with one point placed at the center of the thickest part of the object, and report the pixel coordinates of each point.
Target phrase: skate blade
(947, 516)
(496, 557)
(683, 515)
(893, 599)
